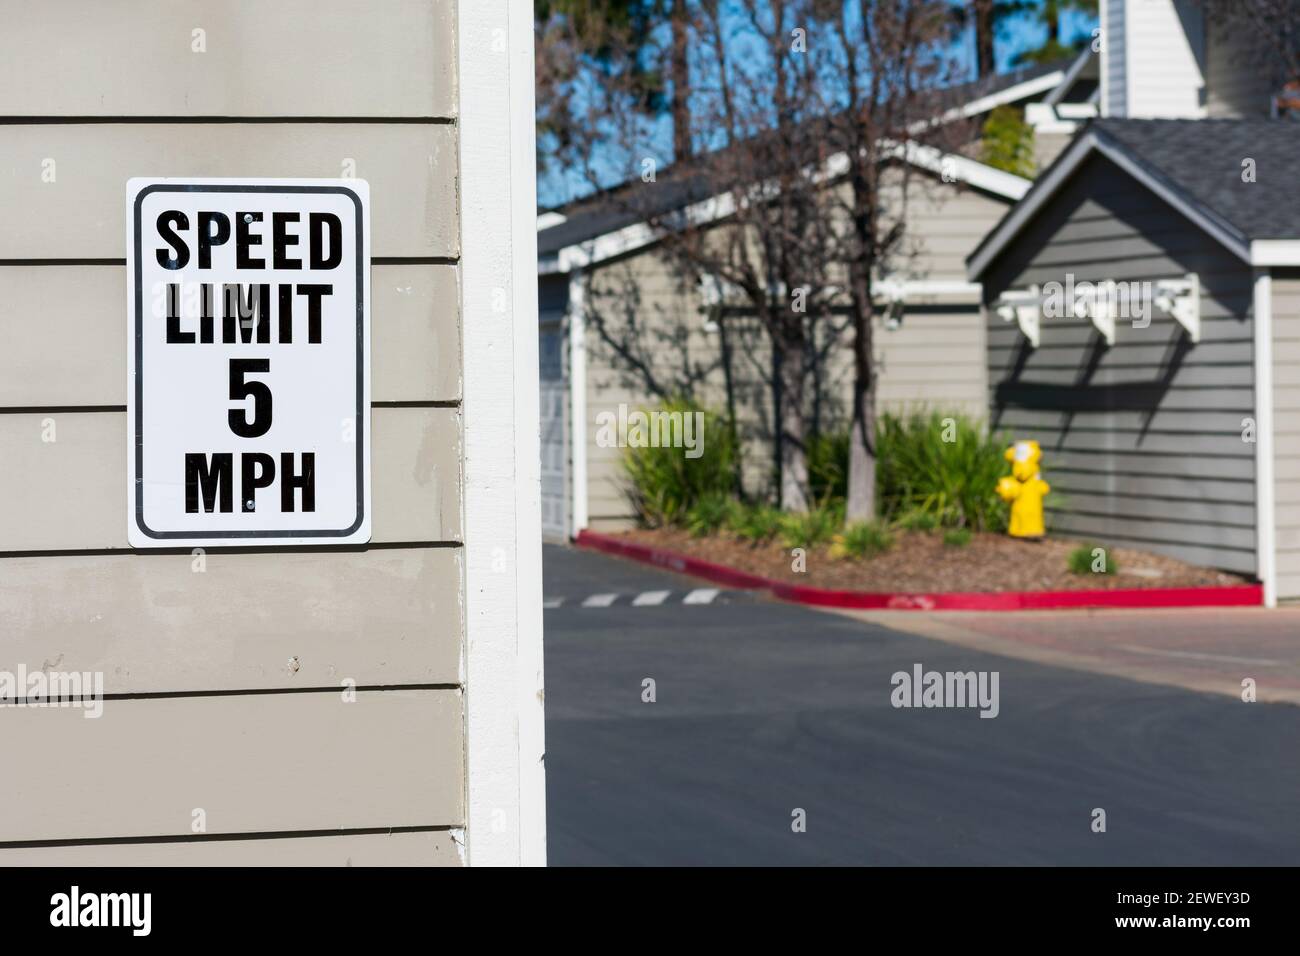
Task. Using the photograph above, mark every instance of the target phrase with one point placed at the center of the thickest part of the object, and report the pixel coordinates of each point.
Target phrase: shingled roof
(1203, 160)
(1197, 166)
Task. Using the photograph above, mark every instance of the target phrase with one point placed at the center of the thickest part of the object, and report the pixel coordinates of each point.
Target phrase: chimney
(1152, 59)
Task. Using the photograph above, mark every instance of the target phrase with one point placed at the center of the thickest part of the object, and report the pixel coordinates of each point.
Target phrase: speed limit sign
(248, 362)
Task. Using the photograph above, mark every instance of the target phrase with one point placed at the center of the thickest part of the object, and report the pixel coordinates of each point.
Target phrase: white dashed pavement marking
(650, 598)
(643, 599)
(701, 596)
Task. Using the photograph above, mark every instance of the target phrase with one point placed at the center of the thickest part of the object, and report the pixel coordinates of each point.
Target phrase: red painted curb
(1244, 595)
(717, 573)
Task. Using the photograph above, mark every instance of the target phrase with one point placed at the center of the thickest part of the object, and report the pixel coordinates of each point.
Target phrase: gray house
(1143, 323)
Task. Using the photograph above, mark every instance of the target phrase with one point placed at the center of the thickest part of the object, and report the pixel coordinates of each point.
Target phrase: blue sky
(558, 186)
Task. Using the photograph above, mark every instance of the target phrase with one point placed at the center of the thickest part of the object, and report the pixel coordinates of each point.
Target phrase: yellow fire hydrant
(1025, 489)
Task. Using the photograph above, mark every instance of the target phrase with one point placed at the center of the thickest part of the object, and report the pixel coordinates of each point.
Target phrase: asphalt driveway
(762, 710)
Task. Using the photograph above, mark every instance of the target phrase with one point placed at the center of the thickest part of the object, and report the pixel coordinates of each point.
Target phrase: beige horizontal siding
(944, 224)
(70, 494)
(935, 360)
(419, 848)
(1167, 420)
(259, 763)
(411, 169)
(1077, 495)
(1230, 548)
(155, 623)
(932, 361)
(363, 58)
(63, 335)
(1286, 426)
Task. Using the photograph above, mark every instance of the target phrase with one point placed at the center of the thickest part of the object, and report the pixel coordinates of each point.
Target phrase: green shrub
(664, 484)
(756, 524)
(1008, 142)
(828, 466)
(811, 528)
(955, 481)
(710, 513)
(1082, 560)
(917, 520)
(862, 540)
(957, 537)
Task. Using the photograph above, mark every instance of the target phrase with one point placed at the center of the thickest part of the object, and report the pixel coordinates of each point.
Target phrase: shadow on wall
(1083, 395)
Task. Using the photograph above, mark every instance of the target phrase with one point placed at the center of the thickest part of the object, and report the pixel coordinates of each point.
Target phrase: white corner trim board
(1012, 94)
(1265, 493)
(505, 799)
(1275, 252)
(977, 174)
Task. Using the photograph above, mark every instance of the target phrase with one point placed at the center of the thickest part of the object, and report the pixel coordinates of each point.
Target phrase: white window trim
(505, 794)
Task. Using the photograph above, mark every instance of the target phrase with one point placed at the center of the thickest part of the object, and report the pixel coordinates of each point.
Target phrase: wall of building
(1286, 428)
(1164, 49)
(1114, 58)
(1238, 80)
(1047, 146)
(935, 360)
(225, 670)
(1143, 441)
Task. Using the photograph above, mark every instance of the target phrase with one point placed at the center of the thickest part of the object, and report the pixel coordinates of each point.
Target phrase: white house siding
(1114, 59)
(1286, 428)
(1164, 49)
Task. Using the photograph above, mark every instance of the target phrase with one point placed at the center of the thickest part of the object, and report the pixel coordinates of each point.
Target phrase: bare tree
(1272, 31)
(891, 108)
(680, 21)
(804, 114)
(747, 216)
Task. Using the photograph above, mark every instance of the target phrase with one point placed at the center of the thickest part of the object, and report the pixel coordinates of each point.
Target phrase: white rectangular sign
(248, 370)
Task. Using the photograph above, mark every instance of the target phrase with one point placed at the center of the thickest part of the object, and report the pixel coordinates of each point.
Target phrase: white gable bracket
(1022, 306)
(1181, 298)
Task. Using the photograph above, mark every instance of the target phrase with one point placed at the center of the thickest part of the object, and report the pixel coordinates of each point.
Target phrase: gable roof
(561, 249)
(602, 220)
(1197, 167)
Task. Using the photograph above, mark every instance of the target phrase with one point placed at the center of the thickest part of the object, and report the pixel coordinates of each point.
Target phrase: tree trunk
(794, 459)
(861, 503)
(984, 37)
(729, 384)
(681, 78)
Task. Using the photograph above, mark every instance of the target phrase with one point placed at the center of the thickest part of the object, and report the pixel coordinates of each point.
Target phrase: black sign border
(361, 257)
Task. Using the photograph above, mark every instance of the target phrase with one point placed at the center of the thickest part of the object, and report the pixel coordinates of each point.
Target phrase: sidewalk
(1205, 649)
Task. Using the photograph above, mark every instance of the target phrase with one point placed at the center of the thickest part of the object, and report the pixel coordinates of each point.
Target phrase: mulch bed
(920, 562)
